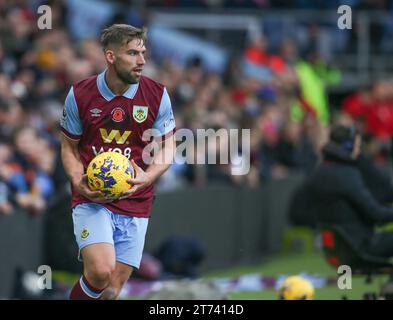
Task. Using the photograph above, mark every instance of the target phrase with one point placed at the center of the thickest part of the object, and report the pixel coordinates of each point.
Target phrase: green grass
(289, 264)
(66, 278)
(313, 264)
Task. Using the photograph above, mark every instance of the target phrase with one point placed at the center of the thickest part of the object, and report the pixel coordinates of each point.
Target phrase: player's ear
(110, 56)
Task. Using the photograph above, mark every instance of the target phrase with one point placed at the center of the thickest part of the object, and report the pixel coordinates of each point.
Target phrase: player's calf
(119, 277)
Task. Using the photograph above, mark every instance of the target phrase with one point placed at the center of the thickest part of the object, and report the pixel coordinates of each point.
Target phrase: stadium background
(280, 68)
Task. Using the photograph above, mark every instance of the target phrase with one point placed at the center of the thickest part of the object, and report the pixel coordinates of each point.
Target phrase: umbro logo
(95, 112)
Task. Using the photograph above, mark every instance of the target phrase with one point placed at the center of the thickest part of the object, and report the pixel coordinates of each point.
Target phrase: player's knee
(101, 274)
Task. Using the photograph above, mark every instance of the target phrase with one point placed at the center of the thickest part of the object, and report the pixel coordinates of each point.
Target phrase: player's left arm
(165, 127)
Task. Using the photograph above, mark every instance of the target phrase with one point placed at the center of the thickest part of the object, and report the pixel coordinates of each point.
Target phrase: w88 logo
(125, 151)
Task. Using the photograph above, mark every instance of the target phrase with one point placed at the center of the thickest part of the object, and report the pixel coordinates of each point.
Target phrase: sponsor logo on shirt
(114, 134)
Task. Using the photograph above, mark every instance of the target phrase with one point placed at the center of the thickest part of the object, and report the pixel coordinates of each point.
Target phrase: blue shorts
(93, 223)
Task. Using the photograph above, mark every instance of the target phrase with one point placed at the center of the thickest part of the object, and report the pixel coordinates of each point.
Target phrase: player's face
(129, 61)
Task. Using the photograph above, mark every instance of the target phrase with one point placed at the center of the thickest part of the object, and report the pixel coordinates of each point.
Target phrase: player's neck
(117, 86)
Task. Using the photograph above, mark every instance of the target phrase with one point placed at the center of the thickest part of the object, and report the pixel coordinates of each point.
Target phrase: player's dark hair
(344, 136)
(119, 34)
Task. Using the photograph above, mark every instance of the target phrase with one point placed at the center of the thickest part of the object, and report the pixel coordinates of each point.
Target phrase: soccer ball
(296, 288)
(108, 172)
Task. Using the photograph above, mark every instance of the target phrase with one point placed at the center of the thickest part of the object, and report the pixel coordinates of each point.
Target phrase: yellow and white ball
(296, 288)
(109, 172)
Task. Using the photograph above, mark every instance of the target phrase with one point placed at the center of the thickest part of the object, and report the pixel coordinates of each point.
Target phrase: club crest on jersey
(140, 113)
(118, 114)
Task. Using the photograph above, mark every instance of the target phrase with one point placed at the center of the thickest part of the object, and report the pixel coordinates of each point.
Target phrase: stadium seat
(298, 239)
(339, 250)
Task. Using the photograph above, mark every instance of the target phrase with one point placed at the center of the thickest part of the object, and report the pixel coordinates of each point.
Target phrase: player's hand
(95, 196)
(140, 181)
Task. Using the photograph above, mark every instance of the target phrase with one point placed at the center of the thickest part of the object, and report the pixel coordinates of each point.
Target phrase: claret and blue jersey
(102, 121)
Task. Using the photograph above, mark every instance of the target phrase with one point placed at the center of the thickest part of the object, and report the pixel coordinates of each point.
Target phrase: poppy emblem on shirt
(118, 114)
(139, 113)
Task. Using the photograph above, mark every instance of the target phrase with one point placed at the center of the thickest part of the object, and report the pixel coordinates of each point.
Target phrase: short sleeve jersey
(102, 121)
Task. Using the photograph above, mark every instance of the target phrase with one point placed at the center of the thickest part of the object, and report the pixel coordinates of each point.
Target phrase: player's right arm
(71, 127)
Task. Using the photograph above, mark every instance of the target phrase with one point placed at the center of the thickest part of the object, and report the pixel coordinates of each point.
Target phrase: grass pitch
(313, 264)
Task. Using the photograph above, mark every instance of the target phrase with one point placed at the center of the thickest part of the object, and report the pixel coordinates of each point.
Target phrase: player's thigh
(99, 259)
(92, 224)
(93, 228)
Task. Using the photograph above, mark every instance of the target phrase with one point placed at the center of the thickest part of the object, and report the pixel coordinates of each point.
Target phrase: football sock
(82, 290)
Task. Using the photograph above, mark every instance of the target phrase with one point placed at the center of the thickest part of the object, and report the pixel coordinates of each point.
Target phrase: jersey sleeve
(70, 122)
(165, 121)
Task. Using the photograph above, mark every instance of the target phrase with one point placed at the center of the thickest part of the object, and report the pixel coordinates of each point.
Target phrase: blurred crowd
(294, 4)
(282, 97)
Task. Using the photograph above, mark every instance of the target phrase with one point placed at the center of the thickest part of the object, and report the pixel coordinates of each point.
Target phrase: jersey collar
(108, 94)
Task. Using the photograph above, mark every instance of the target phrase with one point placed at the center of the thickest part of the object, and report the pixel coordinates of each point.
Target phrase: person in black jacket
(301, 211)
(340, 195)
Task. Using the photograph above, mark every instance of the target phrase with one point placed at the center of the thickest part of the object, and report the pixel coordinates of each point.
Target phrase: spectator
(340, 195)
(314, 75)
(31, 155)
(9, 179)
(261, 90)
(294, 151)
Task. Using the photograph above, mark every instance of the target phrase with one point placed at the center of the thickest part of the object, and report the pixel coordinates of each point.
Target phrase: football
(296, 288)
(109, 172)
